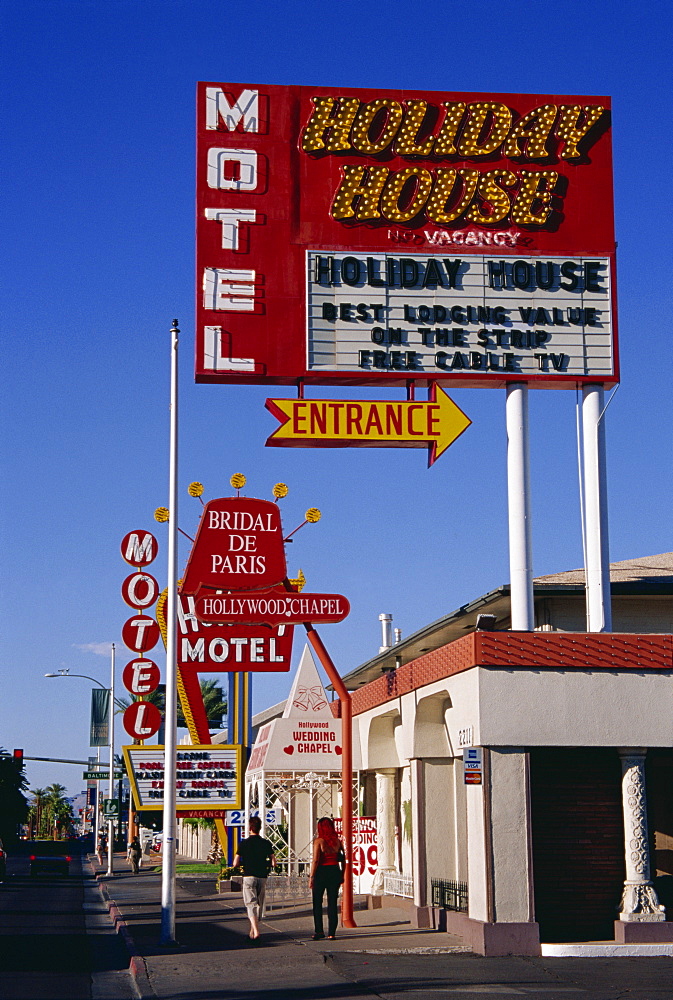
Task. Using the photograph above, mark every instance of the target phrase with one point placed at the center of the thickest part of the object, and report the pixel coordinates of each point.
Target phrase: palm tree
(213, 702)
(13, 803)
(36, 813)
(156, 697)
(60, 810)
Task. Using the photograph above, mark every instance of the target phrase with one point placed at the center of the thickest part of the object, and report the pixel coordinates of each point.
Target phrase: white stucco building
(569, 835)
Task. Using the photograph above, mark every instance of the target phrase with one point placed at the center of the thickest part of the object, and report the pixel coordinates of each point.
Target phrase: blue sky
(98, 226)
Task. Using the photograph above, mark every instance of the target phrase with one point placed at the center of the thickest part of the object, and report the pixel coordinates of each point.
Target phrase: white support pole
(418, 841)
(170, 824)
(110, 824)
(518, 500)
(597, 568)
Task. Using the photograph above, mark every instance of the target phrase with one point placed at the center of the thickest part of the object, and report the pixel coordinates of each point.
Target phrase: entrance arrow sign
(342, 423)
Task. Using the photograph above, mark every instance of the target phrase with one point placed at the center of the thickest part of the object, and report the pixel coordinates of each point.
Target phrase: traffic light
(18, 756)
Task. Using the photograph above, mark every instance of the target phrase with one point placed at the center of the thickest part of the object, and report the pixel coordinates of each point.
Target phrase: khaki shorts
(253, 891)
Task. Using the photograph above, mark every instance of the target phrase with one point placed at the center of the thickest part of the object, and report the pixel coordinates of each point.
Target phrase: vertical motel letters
(231, 169)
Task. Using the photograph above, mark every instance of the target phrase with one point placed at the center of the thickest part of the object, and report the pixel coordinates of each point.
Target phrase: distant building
(79, 809)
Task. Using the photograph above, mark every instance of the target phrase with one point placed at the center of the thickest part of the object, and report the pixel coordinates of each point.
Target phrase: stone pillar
(385, 826)
(639, 900)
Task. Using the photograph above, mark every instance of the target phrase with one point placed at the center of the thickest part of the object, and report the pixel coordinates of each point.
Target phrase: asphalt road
(56, 938)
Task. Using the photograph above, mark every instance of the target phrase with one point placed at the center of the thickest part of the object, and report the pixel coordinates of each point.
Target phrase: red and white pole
(346, 770)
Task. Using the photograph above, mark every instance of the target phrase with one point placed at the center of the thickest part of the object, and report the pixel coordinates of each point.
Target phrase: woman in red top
(326, 876)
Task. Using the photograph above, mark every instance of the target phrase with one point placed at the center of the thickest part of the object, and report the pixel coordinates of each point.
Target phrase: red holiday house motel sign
(359, 237)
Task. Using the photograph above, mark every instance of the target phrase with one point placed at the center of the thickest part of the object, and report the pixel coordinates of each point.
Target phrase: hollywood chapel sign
(357, 237)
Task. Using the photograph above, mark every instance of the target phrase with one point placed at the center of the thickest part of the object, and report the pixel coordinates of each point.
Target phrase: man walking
(256, 856)
(134, 855)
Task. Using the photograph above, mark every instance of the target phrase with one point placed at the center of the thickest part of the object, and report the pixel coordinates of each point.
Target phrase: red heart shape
(288, 750)
(338, 751)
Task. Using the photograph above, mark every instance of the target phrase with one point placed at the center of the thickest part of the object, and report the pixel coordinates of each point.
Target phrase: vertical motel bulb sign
(140, 633)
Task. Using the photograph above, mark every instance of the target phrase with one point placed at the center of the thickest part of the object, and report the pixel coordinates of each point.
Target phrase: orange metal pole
(346, 770)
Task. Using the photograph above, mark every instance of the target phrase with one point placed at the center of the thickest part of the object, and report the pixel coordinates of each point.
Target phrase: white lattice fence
(395, 884)
(283, 890)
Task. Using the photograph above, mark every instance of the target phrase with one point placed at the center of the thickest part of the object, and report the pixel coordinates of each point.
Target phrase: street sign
(100, 775)
(270, 607)
(338, 423)
(110, 808)
(238, 546)
(236, 817)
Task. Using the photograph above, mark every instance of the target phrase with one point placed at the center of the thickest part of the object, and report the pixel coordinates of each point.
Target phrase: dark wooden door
(578, 842)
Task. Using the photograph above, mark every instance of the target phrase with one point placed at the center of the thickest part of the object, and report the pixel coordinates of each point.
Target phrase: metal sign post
(110, 825)
(170, 821)
(346, 770)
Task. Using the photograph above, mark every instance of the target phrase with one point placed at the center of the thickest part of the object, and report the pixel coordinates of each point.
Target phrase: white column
(640, 903)
(510, 835)
(518, 500)
(385, 826)
(478, 865)
(597, 569)
(418, 855)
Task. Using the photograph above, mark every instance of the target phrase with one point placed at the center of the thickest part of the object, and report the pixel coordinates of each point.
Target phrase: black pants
(327, 879)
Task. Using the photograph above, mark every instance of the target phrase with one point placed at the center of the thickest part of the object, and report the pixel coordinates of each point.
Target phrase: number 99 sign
(365, 859)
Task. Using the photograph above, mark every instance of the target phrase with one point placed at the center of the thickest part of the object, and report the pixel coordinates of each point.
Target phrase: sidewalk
(215, 958)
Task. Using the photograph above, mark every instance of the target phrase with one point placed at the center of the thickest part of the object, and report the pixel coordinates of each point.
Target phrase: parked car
(3, 862)
(50, 857)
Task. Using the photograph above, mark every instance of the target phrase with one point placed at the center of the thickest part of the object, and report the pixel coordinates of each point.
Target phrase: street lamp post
(66, 673)
(110, 822)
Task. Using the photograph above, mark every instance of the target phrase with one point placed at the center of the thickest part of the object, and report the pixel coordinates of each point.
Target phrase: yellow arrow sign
(344, 423)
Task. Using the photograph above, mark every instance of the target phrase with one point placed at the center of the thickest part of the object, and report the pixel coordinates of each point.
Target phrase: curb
(137, 965)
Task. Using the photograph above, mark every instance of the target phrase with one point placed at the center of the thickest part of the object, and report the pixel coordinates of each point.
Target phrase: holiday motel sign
(357, 237)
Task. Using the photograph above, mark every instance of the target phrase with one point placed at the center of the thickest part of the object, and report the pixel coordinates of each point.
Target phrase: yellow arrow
(344, 423)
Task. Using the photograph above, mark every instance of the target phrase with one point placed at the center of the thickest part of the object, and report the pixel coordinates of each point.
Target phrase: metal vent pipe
(386, 632)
